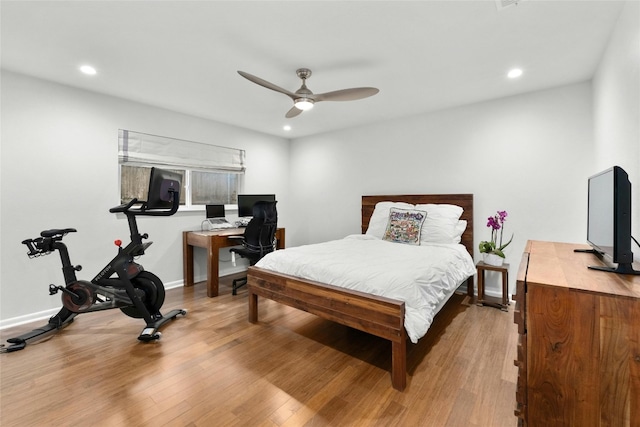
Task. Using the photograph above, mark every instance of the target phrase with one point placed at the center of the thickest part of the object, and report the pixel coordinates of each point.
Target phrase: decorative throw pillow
(404, 226)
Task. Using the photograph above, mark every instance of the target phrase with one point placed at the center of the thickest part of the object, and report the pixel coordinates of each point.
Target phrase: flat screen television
(246, 202)
(164, 186)
(609, 220)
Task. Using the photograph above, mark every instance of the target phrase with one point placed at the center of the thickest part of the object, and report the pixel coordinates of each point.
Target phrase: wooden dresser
(579, 340)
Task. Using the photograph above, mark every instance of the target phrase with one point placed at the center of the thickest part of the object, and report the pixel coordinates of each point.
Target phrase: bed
(375, 314)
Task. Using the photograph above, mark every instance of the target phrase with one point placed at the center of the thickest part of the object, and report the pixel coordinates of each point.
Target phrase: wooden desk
(212, 241)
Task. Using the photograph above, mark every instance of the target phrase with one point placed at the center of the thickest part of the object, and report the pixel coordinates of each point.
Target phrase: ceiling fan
(303, 98)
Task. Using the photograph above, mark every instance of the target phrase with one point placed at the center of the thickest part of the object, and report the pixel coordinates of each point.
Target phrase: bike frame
(119, 290)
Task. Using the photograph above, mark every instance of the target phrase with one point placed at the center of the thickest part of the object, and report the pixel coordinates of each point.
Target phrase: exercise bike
(122, 283)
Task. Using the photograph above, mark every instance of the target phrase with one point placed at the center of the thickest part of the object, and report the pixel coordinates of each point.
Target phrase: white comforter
(421, 276)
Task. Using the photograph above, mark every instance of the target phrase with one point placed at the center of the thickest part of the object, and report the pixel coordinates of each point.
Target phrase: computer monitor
(246, 202)
(214, 211)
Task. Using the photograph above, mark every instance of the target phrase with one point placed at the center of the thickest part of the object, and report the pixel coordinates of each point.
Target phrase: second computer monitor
(246, 202)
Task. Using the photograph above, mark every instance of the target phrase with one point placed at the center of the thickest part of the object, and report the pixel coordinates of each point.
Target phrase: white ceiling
(422, 55)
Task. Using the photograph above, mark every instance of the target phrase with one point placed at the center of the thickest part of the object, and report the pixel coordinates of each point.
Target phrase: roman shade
(141, 148)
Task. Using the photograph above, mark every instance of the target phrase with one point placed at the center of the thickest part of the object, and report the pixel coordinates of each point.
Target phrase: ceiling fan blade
(347, 94)
(268, 85)
(293, 112)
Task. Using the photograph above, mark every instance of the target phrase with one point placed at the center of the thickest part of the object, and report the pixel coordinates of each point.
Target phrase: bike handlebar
(126, 208)
(44, 244)
(35, 247)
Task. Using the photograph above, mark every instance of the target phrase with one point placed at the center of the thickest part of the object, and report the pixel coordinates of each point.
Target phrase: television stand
(587, 251)
(622, 268)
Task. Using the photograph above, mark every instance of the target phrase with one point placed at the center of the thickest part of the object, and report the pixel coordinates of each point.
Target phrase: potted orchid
(492, 251)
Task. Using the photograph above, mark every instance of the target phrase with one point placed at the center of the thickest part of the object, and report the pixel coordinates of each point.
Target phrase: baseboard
(28, 318)
(497, 293)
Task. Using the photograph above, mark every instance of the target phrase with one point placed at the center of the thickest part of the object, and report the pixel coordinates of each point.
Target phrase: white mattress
(424, 276)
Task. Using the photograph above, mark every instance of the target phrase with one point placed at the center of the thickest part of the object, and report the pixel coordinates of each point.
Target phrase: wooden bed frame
(383, 317)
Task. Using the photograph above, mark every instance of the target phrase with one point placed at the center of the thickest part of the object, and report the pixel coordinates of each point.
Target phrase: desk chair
(259, 237)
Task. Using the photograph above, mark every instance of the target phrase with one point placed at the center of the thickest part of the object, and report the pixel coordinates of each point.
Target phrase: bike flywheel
(85, 296)
(154, 294)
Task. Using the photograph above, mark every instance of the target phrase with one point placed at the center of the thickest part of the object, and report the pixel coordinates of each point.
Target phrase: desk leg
(213, 269)
(187, 261)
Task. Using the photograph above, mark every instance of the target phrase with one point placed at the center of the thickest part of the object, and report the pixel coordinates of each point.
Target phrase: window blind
(141, 148)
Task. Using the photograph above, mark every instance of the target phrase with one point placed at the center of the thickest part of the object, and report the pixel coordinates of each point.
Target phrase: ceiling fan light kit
(304, 99)
(303, 104)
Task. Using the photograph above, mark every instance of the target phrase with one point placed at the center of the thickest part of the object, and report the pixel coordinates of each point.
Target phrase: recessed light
(88, 70)
(286, 127)
(514, 73)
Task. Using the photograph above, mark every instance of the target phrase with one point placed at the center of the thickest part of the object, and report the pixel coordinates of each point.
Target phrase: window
(210, 174)
(214, 188)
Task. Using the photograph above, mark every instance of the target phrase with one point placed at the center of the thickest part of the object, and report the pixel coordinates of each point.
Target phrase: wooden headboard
(465, 201)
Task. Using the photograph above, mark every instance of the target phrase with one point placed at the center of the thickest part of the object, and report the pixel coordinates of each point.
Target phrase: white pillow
(380, 217)
(443, 224)
(441, 211)
(461, 226)
(438, 230)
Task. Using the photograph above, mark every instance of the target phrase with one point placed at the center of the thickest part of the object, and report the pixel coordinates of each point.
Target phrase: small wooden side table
(493, 302)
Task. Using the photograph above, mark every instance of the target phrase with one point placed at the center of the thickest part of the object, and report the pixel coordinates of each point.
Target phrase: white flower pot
(492, 259)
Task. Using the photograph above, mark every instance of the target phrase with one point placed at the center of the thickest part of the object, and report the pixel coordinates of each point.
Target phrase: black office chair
(259, 237)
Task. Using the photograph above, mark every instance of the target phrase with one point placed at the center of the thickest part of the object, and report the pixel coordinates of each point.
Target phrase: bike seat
(57, 232)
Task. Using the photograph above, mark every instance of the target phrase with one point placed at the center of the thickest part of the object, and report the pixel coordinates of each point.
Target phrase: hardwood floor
(213, 368)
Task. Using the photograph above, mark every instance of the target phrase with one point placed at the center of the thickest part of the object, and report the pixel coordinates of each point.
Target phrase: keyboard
(220, 223)
(221, 226)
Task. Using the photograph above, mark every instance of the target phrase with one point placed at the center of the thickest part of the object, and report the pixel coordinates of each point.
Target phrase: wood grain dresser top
(556, 264)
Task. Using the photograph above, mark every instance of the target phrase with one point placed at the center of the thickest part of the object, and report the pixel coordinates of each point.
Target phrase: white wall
(60, 169)
(529, 155)
(617, 106)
